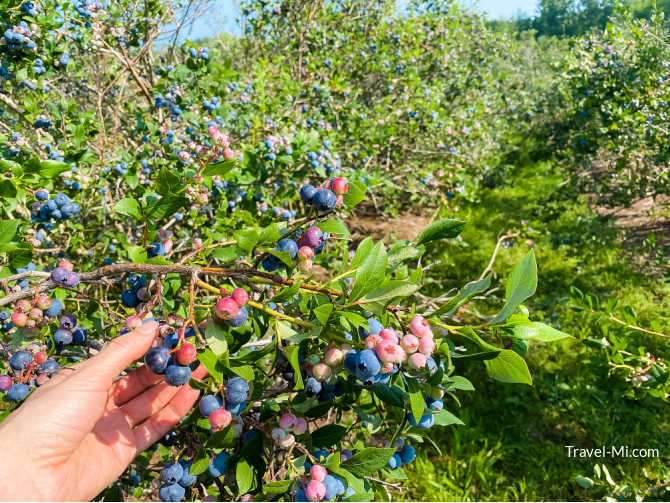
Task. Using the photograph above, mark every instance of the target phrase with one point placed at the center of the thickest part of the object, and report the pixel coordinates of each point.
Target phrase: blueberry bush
(213, 196)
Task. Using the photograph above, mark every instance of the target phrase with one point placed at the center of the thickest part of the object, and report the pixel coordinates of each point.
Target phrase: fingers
(161, 422)
(153, 400)
(131, 385)
(103, 368)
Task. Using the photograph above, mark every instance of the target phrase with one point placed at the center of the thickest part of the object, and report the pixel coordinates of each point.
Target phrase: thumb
(104, 367)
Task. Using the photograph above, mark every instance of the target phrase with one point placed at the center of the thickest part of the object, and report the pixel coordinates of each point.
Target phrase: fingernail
(147, 327)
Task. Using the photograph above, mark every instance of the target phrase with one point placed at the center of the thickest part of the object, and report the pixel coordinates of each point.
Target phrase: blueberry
(20, 360)
(157, 359)
(129, 298)
(236, 409)
(171, 340)
(331, 485)
(324, 200)
(394, 462)
(288, 245)
(237, 390)
(307, 193)
(79, 335)
(55, 308)
(187, 479)
(407, 454)
(50, 367)
(62, 337)
(41, 195)
(176, 375)
(172, 473)
(171, 492)
(59, 275)
(351, 361)
(312, 386)
(155, 249)
(68, 322)
(426, 421)
(240, 318)
(375, 326)
(208, 404)
(218, 465)
(18, 392)
(137, 281)
(368, 365)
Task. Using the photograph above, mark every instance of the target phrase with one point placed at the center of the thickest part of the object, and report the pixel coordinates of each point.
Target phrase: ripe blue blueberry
(18, 392)
(62, 337)
(137, 281)
(59, 275)
(235, 409)
(351, 361)
(20, 360)
(208, 404)
(187, 479)
(55, 308)
(171, 492)
(68, 322)
(129, 298)
(288, 245)
(176, 375)
(394, 462)
(375, 326)
(157, 359)
(307, 193)
(368, 365)
(237, 390)
(426, 421)
(407, 454)
(50, 367)
(172, 473)
(218, 465)
(240, 318)
(79, 335)
(312, 386)
(324, 200)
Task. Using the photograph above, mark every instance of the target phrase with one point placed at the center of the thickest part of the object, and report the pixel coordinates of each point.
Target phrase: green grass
(513, 444)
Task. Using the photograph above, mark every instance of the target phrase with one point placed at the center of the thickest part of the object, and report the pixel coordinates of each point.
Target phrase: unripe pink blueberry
(133, 322)
(212, 130)
(315, 491)
(186, 354)
(333, 357)
(23, 305)
(197, 242)
(426, 345)
(417, 361)
(19, 319)
(219, 419)
(410, 343)
(305, 253)
(228, 154)
(287, 441)
(318, 472)
(300, 426)
(43, 302)
(67, 265)
(388, 334)
(143, 294)
(226, 308)
(321, 371)
(240, 296)
(312, 237)
(278, 434)
(287, 421)
(339, 201)
(339, 186)
(167, 245)
(419, 326)
(40, 357)
(372, 341)
(35, 313)
(31, 323)
(386, 368)
(305, 265)
(388, 352)
(247, 497)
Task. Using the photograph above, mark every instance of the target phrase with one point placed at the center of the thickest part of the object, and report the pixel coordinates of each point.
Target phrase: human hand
(77, 433)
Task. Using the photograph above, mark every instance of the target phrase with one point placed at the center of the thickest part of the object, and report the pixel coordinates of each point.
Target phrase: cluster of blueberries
(200, 52)
(58, 208)
(64, 274)
(404, 455)
(325, 199)
(24, 362)
(19, 37)
(176, 477)
(172, 362)
(30, 8)
(221, 414)
(68, 332)
(232, 308)
(311, 242)
(322, 485)
(85, 8)
(212, 104)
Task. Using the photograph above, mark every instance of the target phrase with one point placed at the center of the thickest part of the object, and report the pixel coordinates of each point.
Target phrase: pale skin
(76, 434)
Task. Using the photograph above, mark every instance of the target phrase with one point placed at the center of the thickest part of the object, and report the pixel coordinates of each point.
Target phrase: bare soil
(644, 216)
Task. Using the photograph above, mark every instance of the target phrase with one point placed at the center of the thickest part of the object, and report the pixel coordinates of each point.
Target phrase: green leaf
(286, 294)
(200, 462)
(367, 461)
(226, 254)
(47, 168)
(546, 333)
(165, 206)
(244, 475)
(7, 165)
(390, 290)
(509, 367)
(246, 239)
(355, 195)
(448, 228)
(328, 435)
(215, 335)
(460, 382)
(8, 230)
(399, 255)
(277, 487)
(245, 371)
(291, 353)
(370, 273)
(391, 395)
(168, 183)
(445, 418)
(221, 439)
(334, 226)
(363, 250)
(466, 293)
(322, 312)
(219, 168)
(212, 364)
(270, 234)
(416, 400)
(128, 206)
(520, 285)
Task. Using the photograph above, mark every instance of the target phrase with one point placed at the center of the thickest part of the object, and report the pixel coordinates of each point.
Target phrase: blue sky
(221, 17)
